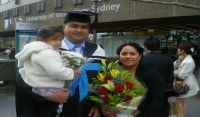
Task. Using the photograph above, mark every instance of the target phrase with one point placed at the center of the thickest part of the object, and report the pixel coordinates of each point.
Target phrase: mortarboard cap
(83, 16)
(79, 16)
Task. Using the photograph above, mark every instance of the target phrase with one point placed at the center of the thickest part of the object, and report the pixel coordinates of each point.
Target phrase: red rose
(106, 78)
(105, 99)
(128, 98)
(119, 88)
(103, 90)
(129, 85)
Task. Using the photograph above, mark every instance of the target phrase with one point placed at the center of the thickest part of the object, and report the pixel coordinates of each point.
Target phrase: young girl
(40, 63)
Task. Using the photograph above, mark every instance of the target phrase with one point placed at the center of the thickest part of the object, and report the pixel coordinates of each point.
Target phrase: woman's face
(55, 40)
(129, 56)
(180, 51)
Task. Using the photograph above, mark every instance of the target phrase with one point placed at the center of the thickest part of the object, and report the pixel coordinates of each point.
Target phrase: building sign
(26, 26)
(44, 17)
(107, 8)
(102, 8)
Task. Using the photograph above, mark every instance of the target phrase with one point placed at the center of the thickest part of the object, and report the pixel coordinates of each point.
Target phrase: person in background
(185, 72)
(130, 58)
(164, 65)
(11, 52)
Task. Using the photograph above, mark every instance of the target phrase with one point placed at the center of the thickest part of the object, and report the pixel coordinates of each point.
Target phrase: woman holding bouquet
(130, 58)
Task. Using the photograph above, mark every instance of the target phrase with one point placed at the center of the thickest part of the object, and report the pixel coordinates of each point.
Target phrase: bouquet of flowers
(72, 60)
(116, 89)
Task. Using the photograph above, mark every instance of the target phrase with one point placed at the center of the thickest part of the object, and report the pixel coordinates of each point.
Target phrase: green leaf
(96, 99)
(103, 61)
(103, 69)
(111, 97)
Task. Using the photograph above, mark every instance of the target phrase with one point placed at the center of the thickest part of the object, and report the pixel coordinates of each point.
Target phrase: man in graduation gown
(77, 28)
(77, 25)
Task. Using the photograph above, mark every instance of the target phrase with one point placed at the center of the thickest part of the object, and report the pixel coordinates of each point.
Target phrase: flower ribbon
(82, 81)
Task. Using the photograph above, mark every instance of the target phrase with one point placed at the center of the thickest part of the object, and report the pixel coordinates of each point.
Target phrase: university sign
(102, 8)
(107, 8)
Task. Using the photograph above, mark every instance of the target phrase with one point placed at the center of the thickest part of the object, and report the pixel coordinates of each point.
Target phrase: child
(40, 63)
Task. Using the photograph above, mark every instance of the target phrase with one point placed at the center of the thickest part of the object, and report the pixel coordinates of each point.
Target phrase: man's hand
(59, 97)
(94, 112)
(108, 113)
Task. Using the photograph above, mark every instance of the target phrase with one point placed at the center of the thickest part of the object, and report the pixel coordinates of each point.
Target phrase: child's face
(55, 40)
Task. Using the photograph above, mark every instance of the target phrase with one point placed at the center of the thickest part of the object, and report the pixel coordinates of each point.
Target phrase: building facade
(134, 19)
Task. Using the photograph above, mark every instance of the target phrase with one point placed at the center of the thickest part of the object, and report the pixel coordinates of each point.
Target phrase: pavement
(193, 106)
(7, 106)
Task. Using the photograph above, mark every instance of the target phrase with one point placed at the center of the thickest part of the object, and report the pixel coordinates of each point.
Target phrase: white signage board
(26, 26)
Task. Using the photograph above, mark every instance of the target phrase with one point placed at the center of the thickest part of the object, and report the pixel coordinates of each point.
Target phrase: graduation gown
(74, 108)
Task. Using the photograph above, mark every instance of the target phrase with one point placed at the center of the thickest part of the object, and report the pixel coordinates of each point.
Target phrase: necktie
(76, 49)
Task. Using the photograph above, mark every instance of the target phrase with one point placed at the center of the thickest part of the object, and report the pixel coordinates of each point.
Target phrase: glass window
(15, 12)
(27, 9)
(57, 4)
(41, 6)
(6, 15)
(111, 41)
(76, 2)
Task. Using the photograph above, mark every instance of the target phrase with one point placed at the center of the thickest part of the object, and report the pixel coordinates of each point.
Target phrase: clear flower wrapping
(72, 60)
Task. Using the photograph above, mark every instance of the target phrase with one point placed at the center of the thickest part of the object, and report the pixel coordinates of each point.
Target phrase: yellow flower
(100, 77)
(110, 85)
(114, 72)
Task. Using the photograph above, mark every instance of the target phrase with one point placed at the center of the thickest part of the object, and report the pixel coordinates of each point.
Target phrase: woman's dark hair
(152, 43)
(139, 49)
(47, 31)
(186, 46)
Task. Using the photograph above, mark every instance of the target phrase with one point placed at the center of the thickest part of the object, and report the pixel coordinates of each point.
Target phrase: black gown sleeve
(25, 88)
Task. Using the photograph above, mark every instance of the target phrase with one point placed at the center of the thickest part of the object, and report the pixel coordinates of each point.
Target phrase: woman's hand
(108, 113)
(59, 97)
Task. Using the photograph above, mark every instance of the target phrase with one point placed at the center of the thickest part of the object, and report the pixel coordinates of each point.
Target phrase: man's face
(76, 32)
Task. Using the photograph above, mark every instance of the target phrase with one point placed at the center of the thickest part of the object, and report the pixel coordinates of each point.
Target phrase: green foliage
(118, 93)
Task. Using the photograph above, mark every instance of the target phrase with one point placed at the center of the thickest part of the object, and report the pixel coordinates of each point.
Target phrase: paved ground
(193, 106)
(7, 106)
